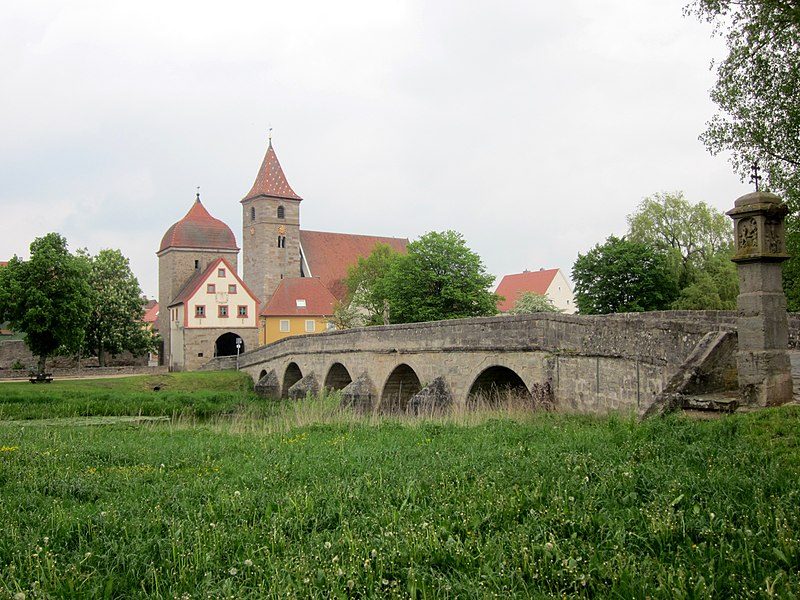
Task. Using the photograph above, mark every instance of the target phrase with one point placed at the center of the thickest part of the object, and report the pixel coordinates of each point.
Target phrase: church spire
(270, 180)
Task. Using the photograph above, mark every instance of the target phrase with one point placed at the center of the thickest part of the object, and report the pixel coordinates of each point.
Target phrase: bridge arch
(495, 386)
(292, 375)
(261, 375)
(402, 384)
(338, 377)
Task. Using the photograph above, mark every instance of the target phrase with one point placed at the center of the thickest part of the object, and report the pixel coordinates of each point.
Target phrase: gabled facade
(214, 308)
(548, 282)
(299, 306)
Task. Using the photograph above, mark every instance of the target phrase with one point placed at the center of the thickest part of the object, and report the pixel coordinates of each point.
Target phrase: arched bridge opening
(402, 384)
(338, 377)
(292, 375)
(497, 386)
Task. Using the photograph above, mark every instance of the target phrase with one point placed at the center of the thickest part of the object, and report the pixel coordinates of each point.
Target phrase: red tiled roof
(198, 229)
(194, 283)
(318, 300)
(512, 286)
(151, 312)
(329, 255)
(3, 263)
(270, 180)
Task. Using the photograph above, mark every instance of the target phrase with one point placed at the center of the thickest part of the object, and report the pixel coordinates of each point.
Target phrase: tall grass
(311, 501)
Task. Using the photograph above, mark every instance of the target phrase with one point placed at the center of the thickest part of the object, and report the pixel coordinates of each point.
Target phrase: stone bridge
(584, 364)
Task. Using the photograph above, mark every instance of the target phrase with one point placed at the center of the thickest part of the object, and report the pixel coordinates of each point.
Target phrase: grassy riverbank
(538, 505)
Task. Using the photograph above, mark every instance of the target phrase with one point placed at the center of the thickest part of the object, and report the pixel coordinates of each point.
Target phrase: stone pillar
(765, 376)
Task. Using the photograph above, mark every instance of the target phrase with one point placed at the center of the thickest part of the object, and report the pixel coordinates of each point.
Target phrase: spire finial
(198, 193)
(270, 135)
(755, 177)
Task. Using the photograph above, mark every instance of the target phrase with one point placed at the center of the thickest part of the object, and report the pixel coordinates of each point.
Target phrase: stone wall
(12, 351)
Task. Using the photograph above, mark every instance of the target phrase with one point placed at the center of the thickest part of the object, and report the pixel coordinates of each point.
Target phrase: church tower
(270, 230)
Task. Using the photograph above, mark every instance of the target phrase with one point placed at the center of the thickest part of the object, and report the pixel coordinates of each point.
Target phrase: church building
(207, 310)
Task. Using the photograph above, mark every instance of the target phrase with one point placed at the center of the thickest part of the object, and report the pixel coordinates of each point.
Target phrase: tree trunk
(41, 365)
(101, 356)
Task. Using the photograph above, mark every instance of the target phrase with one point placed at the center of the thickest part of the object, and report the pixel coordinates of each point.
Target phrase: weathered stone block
(308, 385)
(269, 386)
(434, 398)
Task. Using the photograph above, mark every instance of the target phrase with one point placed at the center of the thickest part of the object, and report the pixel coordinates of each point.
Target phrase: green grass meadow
(232, 496)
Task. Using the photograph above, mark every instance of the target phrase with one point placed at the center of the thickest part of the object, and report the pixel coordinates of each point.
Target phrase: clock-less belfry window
(281, 212)
(252, 213)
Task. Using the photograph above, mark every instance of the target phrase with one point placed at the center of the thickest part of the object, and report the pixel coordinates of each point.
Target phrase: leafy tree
(438, 278)
(698, 241)
(623, 276)
(115, 319)
(758, 95)
(47, 297)
(366, 289)
(531, 302)
(347, 316)
(692, 233)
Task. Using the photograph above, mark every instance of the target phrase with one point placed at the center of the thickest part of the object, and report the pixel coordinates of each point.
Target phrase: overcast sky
(533, 128)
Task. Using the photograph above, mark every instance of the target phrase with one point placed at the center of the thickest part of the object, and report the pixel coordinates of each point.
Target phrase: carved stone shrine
(764, 369)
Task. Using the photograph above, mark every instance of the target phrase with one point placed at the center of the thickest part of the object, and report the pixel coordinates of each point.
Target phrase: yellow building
(299, 306)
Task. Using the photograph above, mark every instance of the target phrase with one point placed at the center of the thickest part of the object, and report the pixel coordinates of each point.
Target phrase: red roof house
(548, 282)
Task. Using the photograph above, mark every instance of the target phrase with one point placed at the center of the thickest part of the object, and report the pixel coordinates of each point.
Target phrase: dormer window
(281, 214)
(300, 302)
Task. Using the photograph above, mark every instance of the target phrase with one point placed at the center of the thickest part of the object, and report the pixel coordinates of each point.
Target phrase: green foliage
(47, 297)
(115, 320)
(623, 276)
(439, 278)
(549, 507)
(366, 288)
(758, 95)
(698, 240)
(531, 302)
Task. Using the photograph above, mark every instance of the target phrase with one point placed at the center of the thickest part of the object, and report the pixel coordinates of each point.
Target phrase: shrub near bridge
(543, 505)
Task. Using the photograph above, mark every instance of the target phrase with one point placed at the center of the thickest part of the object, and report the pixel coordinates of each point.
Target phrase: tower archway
(226, 345)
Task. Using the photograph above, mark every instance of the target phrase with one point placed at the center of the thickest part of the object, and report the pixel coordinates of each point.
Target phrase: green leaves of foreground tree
(438, 278)
(115, 320)
(47, 297)
(623, 276)
(758, 95)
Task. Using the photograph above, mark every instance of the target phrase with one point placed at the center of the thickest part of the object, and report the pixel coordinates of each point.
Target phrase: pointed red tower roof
(198, 229)
(270, 180)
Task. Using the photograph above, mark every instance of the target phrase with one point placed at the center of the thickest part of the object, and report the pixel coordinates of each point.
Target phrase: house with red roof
(299, 306)
(547, 282)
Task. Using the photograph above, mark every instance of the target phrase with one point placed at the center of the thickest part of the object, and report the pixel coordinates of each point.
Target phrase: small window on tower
(280, 212)
(200, 311)
(197, 264)
(232, 288)
(223, 311)
(242, 311)
(221, 273)
(252, 213)
(211, 288)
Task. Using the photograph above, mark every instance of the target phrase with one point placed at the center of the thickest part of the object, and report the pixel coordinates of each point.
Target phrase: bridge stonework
(588, 364)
